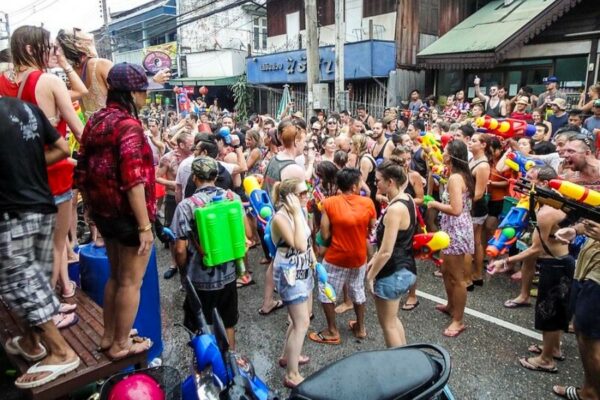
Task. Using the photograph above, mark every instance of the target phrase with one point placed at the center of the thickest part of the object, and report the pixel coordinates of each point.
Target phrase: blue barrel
(95, 270)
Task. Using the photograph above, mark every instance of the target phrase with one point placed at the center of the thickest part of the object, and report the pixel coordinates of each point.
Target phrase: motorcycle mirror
(196, 305)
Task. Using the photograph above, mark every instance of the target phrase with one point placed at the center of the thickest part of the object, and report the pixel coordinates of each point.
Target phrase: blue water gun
(519, 163)
(512, 228)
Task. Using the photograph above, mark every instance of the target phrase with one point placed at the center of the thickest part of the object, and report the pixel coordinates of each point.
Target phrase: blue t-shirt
(558, 122)
(592, 123)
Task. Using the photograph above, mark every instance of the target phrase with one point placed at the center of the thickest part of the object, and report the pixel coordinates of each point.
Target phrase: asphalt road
(484, 357)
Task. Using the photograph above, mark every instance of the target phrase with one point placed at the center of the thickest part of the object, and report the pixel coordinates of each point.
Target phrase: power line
(28, 7)
(37, 11)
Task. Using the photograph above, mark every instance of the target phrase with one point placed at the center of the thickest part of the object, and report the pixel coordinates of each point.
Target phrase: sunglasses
(331, 122)
(303, 193)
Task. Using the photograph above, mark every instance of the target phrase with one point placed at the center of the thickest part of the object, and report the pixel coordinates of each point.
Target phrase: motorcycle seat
(399, 374)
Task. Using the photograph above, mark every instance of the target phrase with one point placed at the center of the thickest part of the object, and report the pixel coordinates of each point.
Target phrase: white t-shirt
(185, 170)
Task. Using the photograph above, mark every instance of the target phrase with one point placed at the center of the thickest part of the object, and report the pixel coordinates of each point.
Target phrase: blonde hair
(282, 189)
(359, 143)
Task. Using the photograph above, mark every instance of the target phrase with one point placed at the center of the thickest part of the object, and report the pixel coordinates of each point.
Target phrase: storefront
(367, 66)
(519, 43)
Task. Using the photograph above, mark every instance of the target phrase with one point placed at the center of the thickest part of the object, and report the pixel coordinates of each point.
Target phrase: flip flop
(278, 304)
(437, 273)
(537, 349)
(303, 360)
(132, 333)
(129, 352)
(410, 307)
(244, 281)
(351, 326)
(56, 370)
(63, 321)
(569, 394)
(525, 363)
(13, 347)
(319, 338)
(452, 333)
(70, 294)
(514, 304)
(66, 308)
(289, 384)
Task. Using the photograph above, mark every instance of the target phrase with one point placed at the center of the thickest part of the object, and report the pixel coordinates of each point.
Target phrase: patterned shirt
(114, 157)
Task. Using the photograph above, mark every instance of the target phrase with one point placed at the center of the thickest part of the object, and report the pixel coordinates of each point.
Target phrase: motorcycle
(417, 372)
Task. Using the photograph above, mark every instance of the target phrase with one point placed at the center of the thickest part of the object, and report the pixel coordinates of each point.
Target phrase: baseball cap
(560, 103)
(130, 77)
(205, 168)
(551, 79)
(596, 103)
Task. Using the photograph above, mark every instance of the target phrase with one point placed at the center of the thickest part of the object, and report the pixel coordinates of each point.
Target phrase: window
(260, 33)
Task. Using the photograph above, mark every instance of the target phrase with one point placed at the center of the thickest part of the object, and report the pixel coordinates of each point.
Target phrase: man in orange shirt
(347, 220)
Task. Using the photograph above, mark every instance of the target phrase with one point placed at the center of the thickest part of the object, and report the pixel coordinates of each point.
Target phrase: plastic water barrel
(94, 272)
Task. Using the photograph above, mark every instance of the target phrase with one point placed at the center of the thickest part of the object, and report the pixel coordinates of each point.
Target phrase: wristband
(145, 228)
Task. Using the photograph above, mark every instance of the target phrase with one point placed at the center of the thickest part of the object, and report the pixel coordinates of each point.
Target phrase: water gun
(325, 286)
(505, 128)
(576, 192)
(317, 200)
(428, 141)
(259, 200)
(425, 245)
(516, 161)
(225, 133)
(438, 173)
(575, 210)
(427, 198)
(511, 228)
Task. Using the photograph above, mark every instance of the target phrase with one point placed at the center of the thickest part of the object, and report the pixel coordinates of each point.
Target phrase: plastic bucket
(95, 270)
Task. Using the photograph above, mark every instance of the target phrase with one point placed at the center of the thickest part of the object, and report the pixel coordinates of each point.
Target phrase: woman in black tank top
(359, 147)
(392, 268)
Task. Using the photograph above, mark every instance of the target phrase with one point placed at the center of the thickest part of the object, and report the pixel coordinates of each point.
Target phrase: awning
(488, 36)
(223, 81)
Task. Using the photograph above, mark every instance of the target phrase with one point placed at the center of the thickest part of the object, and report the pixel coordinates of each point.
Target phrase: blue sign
(362, 60)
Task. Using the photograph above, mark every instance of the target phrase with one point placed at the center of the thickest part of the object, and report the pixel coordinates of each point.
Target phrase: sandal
(66, 308)
(244, 281)
(63, 321)
(537, 349)
(137, 345)
(352, 324)
(410, 307)
(278, 304)
(526, 363)
(13, 347)
(132, 333)
(570, 392)
(319, 338)
(56, 370)
(71, 293)
(452, 333)
(513, 304)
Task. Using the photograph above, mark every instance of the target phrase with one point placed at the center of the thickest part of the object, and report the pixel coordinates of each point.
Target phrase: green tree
(242, 94)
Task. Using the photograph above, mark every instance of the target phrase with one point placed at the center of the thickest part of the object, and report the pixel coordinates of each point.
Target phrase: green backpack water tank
(221, 231)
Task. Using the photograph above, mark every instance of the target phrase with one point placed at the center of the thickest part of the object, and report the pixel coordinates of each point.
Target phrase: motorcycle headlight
(208, 386)
(245, 365)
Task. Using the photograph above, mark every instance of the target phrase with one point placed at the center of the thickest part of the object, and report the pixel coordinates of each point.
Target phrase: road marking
(485, 317)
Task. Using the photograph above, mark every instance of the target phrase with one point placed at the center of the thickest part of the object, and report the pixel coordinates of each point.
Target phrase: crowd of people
(350, 189)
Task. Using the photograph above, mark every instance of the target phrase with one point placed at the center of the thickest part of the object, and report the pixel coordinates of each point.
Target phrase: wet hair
(576, 113)
(327, 171)
(254, 135)
(459, 160)
(340, 158)
(272, 134)
(393, 169)
(542, 148)
(123, 98)
(467, 130)
(206, 142)
(487, 140)
(546, 172)
(282, 189)
(359, 142)
(323, 141)
(346, 178)
(37, 38)
(182, 137)
(495, 143)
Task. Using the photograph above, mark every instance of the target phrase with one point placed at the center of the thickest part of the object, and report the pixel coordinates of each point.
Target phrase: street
(484, 357)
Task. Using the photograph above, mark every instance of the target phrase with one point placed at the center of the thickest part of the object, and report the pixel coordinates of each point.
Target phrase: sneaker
(170, 273)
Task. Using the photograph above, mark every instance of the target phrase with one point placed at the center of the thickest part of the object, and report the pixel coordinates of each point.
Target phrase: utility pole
(340, 39)
(312, 52)
(5, 32)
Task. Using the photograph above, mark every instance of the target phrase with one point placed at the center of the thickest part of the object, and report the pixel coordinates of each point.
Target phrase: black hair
(575, 112)
(123, 98)
(340, 158)
(194, 117)
(345, 112)
(206, 142)
(467, 130)
(361, 107)
(546, 172)
(459, 160)
(543, 125)
(346, 178)
(418, 124)
(542, 148)
(327, 171)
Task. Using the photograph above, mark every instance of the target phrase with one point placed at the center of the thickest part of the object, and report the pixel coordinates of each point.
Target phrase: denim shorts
(297, 300)
(61, 198)
(392, 287)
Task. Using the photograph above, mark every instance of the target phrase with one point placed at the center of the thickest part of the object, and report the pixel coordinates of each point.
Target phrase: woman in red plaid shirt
(116, 176)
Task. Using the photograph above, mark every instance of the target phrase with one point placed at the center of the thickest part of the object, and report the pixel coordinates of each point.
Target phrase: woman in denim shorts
(392, 270)
(291, 270)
